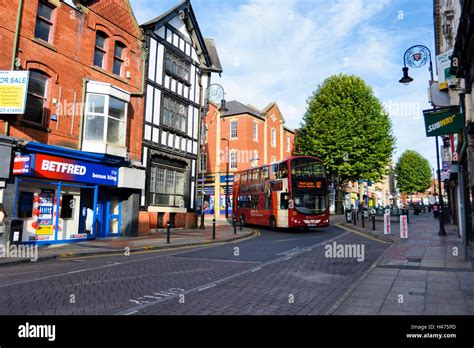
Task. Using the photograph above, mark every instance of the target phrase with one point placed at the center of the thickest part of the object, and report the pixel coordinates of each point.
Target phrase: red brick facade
(68, 58)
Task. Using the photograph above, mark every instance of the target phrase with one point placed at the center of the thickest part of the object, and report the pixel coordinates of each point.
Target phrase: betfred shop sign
(65, 169)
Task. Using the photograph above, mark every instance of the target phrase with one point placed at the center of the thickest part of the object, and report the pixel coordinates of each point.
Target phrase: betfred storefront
(75, 198)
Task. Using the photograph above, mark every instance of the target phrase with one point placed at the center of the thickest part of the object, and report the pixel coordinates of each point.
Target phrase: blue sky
(280, 50)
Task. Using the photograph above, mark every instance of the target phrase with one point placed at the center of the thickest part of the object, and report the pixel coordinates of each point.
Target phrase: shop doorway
(110, 212)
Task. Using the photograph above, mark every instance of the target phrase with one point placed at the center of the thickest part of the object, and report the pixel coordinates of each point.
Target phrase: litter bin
(14, 230)
(348, 215)
(405, 212)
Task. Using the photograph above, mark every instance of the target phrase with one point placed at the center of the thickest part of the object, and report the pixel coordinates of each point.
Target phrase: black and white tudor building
(180, 64)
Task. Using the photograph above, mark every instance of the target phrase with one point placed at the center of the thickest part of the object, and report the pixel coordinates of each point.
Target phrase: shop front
(62, 199)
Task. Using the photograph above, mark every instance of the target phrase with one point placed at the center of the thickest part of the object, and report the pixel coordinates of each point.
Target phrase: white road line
(207, 287)
(256, 269)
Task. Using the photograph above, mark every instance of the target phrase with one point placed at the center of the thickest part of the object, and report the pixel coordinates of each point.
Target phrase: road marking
(207, 287)
(132, 313)
(339, 224)
(256, 269)
(138, 308)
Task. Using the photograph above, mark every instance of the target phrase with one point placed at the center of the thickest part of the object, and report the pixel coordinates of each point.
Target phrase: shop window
(36, 97)
(67, 206)
(44, 22)
(100, 49)
(105, 119)
(25, 205)
(174, 114)
(119, 52)
(177, 67)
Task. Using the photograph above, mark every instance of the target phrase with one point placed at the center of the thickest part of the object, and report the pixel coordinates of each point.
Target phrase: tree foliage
(346, 126)
(413, 172)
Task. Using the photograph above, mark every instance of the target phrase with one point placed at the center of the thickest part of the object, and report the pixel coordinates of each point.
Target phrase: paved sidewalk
(155, 241)
(425, 274)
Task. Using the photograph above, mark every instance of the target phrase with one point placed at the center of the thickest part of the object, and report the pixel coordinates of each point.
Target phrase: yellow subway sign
(443, 121)
(13, 89)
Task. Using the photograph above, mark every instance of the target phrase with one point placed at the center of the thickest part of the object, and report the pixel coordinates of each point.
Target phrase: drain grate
(414, 259)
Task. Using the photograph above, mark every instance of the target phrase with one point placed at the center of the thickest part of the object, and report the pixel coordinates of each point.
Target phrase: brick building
(238, 139)
(82, 127)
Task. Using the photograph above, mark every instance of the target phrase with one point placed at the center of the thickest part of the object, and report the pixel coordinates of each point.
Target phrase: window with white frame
(233, 129)
(233, 159)
(274, 137)
(174, 114)
(288, 144)
(105, 119)
(255, 157)
(255, 131)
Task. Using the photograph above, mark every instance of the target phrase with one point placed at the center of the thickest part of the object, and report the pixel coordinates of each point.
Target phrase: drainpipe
(83, 106)
(15, 48)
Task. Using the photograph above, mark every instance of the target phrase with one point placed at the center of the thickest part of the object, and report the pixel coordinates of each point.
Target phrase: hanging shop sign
(442, 122)
(443, 62)
(53, 167)
(13, 88)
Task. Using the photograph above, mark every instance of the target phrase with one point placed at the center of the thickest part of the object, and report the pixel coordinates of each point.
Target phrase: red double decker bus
(289, 194)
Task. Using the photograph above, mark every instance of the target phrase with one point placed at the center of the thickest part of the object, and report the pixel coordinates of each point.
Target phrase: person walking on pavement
(435, 210)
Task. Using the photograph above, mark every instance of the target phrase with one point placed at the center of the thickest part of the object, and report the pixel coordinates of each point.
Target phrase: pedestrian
(3, 215)
(435, 210)
(429, 208)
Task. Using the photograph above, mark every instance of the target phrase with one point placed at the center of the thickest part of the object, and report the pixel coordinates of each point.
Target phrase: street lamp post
(416, 57)
(214, 93)
(227, 179)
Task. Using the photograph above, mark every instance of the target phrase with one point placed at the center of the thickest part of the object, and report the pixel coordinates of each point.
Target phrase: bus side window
(284, 199)
(273, 171)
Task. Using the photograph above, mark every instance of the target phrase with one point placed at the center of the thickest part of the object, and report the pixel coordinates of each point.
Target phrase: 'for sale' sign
(403, 226)
(386, 222)
(13, 88)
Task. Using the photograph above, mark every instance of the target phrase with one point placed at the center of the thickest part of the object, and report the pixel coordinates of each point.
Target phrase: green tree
(346, 126)
(413, 172)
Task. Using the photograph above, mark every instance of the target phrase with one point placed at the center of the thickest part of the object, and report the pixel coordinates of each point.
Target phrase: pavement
(426, 274)
(156, 240)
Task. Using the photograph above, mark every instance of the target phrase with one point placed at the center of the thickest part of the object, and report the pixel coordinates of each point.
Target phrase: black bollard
(362, 217)
(213, 228)
(354, 218)
(168, 232)
(373, 222)
(235, 225)
(241, 223)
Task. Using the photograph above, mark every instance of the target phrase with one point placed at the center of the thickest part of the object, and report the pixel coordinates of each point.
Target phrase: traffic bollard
(168, 232)
(241, 223)
(354, 219)
(213, 228)
(373, 222)
(235, 225)
(362, 217)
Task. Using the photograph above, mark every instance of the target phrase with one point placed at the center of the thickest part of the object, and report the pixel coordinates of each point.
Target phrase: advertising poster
(45, 217)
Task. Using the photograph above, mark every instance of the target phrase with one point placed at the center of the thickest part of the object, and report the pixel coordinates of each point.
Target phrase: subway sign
(442, 122)
(59, 168)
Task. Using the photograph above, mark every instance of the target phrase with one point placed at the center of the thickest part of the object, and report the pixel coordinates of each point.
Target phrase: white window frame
(106, 118)
(233, 162)
(236, 129)
(255, 132)
(273, 137)
(288, 144)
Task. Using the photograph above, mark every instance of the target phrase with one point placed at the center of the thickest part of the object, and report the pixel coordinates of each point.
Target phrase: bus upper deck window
(283, 171)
